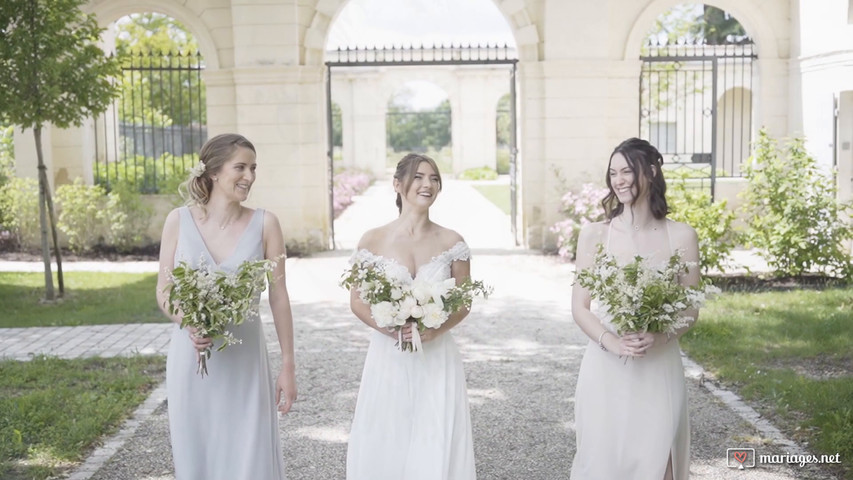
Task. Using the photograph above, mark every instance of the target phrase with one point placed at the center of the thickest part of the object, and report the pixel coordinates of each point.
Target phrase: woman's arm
(168, 245)
(359, 308)
(274, 249)
(687, 241)
(460, 270)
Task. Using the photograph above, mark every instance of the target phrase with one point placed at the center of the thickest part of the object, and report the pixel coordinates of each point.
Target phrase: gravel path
(521, 351)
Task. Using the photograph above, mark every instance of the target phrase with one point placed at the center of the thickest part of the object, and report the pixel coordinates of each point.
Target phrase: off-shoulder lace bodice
(438, 268)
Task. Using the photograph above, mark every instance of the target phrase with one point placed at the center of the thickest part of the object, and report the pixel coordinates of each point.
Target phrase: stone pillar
(280, 109)
(844, 146)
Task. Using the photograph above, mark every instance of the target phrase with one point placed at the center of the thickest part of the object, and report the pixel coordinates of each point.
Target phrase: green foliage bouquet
(397, 299)
(212, 300)
(641, 298)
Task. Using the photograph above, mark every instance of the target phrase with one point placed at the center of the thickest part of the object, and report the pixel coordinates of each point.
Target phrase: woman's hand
(636, 344)
(428, 334)
(200, 343)
(285, 389)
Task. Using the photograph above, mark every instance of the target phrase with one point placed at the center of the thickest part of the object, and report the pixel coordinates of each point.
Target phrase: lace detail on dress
(460, 251)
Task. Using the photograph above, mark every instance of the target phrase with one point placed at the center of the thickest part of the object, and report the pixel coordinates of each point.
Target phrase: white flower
(198, 170)
(383, 313)
(433, 316)
(421, 291)
(418, 311)
(396, 293)
(406, 304)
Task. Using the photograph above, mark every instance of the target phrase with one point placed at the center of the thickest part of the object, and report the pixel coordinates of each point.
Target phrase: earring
(215, 179)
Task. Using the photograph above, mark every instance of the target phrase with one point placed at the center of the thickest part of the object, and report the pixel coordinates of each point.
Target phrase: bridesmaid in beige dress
(631, 416)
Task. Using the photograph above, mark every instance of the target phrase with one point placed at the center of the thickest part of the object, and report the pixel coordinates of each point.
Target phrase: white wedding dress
(223, 426)
(630, 416)
(411, 419)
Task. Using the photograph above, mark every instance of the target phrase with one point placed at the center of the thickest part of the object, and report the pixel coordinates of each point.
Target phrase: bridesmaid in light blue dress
(412, 419)
(225, 426)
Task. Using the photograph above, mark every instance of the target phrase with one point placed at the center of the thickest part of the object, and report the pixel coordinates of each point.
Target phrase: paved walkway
(521, 351)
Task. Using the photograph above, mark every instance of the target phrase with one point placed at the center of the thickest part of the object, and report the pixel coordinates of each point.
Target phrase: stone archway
(516, 13)
(747, 12)
(111, 10)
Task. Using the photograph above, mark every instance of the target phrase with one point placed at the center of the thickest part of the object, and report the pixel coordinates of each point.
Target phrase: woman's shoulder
(371, 237)
(448, 238)
(595, 229)
(681, 231)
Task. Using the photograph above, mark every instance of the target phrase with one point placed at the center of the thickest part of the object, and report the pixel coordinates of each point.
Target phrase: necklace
(223, 226)
(637, 228)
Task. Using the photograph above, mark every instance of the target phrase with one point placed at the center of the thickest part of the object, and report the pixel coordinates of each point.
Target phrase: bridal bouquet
(393, 301)
(212, 300)
(641, 298)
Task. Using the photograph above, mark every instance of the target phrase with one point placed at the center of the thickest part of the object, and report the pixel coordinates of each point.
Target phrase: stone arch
(112, 10)
(517, 14)
(747, 13)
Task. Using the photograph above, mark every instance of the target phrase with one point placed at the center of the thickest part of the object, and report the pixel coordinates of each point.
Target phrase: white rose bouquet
(641, 298)
(394, 302)
(212, 300)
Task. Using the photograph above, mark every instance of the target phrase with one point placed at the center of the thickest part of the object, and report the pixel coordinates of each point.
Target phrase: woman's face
(622, 179)
(237, 175)
(425, 186)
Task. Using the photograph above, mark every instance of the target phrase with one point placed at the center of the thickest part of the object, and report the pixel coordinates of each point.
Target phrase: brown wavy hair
(407, 168)
(213, 154)
(644, 160)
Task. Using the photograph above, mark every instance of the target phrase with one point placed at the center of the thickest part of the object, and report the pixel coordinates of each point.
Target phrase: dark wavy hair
(407, 168)
(645, 161)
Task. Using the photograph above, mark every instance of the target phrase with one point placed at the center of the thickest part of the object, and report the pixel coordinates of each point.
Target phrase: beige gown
(631, 416)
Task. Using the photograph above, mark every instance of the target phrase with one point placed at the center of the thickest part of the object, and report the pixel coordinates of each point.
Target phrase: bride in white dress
(412, 419)
(225, 426)
(631, 399)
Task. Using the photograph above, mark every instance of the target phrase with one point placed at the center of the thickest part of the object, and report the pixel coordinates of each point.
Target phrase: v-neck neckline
(233, 249)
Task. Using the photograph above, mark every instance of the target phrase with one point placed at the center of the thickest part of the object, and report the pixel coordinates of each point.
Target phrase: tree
(52, 72)
(162, 88)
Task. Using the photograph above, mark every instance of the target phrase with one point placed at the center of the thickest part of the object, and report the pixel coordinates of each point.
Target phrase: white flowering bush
(641, 298)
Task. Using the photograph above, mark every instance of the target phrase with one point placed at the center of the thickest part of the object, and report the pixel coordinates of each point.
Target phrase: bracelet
(600, 344)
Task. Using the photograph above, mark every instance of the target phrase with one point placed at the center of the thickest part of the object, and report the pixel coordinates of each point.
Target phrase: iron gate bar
(180, 74)
(741, 56)
(361, 57)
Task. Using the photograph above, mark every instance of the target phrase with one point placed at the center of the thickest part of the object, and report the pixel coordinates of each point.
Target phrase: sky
(381, 23)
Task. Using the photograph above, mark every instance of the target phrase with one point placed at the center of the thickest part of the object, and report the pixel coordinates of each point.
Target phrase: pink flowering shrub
(348, 183)
(579, 209)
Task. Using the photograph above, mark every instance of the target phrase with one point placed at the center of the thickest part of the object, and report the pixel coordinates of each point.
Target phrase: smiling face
(237, 175)
(623, 179)
(423, 188)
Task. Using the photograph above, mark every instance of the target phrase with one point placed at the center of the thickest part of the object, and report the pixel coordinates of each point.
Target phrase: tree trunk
(56, 250)
(43, 191)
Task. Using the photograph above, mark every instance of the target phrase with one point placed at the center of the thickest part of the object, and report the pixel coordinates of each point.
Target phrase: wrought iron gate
(153, 132)
(696, 106)
(420, 56)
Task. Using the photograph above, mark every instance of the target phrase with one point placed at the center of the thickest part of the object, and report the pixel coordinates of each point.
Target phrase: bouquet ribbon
(417, 344)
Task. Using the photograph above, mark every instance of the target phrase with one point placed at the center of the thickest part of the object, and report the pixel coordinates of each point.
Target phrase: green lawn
(52, 412)
(789, 355)
(91, 298)
(497, 194)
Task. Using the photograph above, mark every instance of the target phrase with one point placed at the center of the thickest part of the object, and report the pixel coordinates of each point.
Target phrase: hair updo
(407, 168)
(645, 161)
(213, 155)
